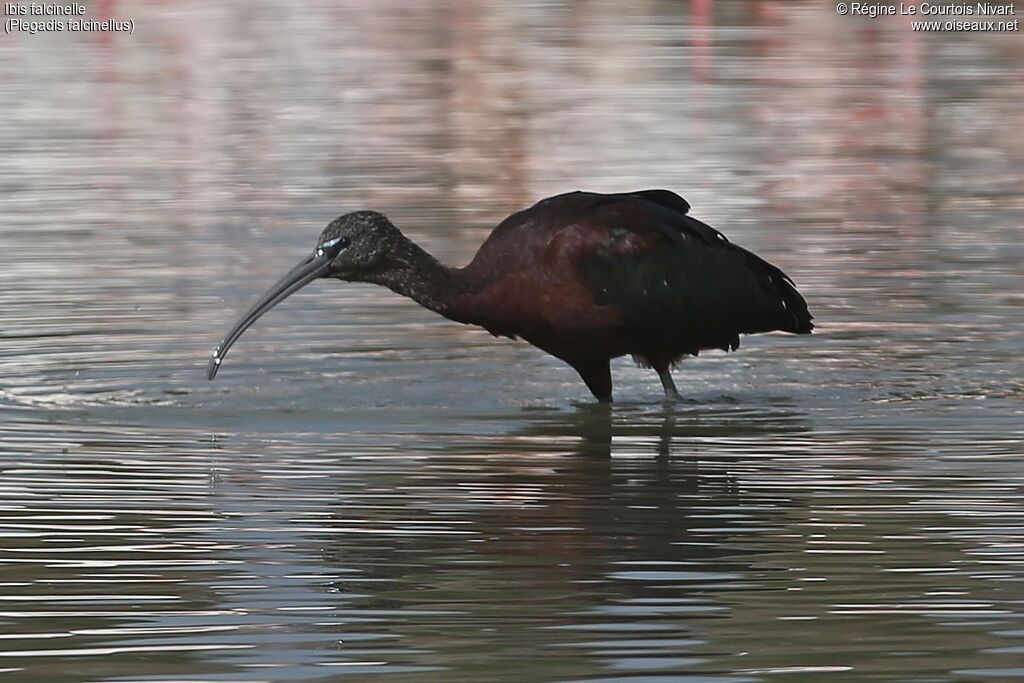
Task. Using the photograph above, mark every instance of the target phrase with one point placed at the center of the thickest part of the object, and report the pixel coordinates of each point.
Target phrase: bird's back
(635, 272)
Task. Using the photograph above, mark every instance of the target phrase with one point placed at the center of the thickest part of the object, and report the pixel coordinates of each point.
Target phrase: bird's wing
(677, 281)
(666, 198)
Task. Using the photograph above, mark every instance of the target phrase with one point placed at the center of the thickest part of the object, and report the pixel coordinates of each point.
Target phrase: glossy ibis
(586, 277)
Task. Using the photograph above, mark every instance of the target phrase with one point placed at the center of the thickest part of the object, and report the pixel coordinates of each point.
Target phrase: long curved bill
(315, 266)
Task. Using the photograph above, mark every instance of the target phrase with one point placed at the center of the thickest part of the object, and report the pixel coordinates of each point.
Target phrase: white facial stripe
(329, 246)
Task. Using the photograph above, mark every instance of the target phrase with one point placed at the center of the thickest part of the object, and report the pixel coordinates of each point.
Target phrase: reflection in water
(374, 490)
(612, 540)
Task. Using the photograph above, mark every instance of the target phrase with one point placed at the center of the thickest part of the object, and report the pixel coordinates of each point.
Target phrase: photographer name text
(974, 16)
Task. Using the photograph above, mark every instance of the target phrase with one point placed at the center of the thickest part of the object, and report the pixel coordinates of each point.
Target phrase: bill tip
(212, 367)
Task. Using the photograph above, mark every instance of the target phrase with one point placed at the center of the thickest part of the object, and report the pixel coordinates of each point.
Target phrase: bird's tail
(797, 318)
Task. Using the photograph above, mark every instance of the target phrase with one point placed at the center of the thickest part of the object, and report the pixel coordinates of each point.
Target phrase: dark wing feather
(773, 281)
(681, 285)
(776, 282)
(666, 198)
(681, 207)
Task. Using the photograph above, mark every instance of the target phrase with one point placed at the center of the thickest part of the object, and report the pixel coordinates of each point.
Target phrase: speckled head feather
(358, 242)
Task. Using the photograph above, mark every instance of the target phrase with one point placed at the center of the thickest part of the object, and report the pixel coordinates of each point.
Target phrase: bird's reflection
(622, 520)
(596, 485)
(664, 429)
(648, 476)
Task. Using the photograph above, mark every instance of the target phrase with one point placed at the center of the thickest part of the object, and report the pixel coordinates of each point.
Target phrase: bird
(584, 276)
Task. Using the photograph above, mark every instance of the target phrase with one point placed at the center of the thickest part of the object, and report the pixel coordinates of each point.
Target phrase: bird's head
(353, 247)
(357, 244)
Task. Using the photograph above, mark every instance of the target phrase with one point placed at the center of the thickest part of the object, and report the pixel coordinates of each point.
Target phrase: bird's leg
(598, 376)
(665, 375)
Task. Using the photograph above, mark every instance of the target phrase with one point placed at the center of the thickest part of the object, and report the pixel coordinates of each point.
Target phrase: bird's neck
(414, 273)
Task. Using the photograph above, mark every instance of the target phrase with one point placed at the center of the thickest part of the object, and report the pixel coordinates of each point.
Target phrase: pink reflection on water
(702, 18)
(846, 123)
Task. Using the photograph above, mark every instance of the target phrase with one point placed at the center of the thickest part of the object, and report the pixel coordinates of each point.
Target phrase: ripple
(370, 490)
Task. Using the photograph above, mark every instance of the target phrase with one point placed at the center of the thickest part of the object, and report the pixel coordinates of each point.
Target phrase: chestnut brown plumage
(586, 277)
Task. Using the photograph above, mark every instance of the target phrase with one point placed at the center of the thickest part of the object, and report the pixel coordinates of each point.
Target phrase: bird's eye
(332, 248)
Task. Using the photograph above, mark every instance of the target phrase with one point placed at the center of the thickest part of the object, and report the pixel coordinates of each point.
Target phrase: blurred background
(368, 489)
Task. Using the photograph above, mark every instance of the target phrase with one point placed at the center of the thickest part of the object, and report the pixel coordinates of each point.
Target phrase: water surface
(368, 490)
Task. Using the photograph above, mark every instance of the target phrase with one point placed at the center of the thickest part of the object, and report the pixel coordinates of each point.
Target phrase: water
(368, 490)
